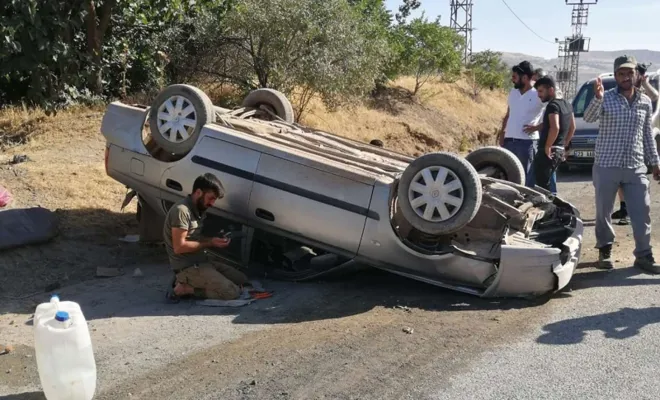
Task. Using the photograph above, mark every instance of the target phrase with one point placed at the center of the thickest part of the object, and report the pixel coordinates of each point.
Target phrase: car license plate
(580, 153)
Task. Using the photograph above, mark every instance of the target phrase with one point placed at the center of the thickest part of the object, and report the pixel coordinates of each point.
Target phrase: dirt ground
(64, 173)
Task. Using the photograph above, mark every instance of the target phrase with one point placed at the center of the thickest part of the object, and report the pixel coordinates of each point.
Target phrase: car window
(586, 93)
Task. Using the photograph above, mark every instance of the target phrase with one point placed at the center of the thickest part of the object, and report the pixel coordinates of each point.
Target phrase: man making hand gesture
(644, 86)
(624, 146)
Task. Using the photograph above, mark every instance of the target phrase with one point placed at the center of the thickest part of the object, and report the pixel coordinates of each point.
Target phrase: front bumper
(530, 272)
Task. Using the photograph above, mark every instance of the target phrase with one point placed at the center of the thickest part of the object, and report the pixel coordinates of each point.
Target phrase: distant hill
(591, 63)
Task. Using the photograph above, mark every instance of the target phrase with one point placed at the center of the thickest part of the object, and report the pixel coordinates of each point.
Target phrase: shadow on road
(622, 324)
(615, 278)
(291, 303)
(87, 239)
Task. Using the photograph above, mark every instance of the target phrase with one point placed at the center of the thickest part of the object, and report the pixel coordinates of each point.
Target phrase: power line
(523, 22)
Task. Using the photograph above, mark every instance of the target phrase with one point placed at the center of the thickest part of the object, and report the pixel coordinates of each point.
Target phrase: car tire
(504, 163)
(460, 200)
(189, 100)
(276, 101)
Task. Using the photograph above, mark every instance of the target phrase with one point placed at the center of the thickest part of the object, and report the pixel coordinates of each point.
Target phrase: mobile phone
(234, 234)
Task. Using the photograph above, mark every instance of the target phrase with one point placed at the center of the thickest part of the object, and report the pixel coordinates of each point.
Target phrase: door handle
(263, 214)
(173, 185)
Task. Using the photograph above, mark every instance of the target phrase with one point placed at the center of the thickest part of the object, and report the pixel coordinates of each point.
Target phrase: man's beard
(518, 85)
(626, 85)
(200, 205)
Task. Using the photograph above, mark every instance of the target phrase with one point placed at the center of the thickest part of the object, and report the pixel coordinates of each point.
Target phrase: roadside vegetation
(58, 53)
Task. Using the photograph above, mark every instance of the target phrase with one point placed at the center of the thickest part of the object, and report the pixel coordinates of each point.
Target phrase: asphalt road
(346, 340)
(602, 340)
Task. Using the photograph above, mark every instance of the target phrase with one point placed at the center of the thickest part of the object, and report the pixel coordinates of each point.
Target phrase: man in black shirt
(556, 131)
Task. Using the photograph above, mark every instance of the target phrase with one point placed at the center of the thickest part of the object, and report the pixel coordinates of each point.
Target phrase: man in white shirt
(524, 108)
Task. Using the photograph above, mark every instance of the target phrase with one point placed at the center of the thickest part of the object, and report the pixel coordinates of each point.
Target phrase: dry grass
(64, 173)
(65, 170)
(443, 117)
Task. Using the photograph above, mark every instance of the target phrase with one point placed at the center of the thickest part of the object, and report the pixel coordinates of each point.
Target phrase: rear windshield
(586, 93)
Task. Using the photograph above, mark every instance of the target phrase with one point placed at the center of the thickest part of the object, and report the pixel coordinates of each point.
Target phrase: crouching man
(196, 274)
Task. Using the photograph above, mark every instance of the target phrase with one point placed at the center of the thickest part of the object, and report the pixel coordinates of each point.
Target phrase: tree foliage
(428, 50)
(300, 47)
(55, 52)
(405, 9)
(58, 52)
(487, 70)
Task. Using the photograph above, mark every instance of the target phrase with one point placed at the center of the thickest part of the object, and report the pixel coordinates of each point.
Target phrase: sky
(612, 24)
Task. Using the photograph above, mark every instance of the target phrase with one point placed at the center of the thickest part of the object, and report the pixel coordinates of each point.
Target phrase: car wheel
(178, 115)
(498, 163)
(276, 102)
(439, 193)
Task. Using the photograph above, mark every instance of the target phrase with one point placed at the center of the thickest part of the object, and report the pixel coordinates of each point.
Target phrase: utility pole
(571, 47)
(461, 22)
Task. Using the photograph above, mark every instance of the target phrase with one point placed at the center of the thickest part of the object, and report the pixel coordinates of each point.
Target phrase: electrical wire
(523, 22)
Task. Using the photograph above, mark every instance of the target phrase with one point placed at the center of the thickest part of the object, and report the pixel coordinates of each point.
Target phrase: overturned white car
(466, 224)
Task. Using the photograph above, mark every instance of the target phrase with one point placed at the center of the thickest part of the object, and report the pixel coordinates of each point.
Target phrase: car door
(235, 166)
(311, 205)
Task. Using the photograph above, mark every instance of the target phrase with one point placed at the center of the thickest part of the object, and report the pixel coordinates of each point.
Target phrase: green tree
(55, 52)
(405, 9)
(487, 70)
(300, 47)
(428, 50)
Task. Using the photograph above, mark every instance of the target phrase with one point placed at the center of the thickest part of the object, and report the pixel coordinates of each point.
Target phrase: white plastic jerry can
(63, 347)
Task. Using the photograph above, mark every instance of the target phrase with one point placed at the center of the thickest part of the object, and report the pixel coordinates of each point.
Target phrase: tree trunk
(95, 34)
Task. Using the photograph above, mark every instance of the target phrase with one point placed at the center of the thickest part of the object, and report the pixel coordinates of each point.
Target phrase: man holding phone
(557, 129)
(196, 274)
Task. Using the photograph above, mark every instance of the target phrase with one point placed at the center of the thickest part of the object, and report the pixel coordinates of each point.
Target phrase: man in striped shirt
(624, 146)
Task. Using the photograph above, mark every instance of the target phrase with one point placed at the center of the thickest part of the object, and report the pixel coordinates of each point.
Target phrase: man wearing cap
(624, 146)
(524, 108)
(557, 129)
(644, 86)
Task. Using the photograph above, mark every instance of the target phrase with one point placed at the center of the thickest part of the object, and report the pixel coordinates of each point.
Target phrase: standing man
(538, 74)
(524, 108)
(557, 129)
(195, 273)
(624, 146)
(644, 86)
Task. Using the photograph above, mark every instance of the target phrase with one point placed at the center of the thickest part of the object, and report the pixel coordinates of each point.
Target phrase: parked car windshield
(584, 96)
